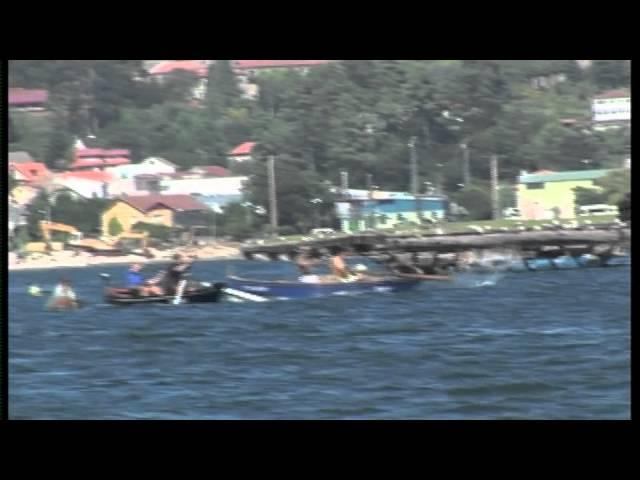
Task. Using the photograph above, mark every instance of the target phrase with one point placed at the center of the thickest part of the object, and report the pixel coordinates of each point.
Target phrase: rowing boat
(298, 290)
(198, 293)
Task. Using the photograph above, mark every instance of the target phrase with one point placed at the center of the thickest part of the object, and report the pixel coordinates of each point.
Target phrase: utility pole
(495, 194)
(466, 171)
(344, 181)
(369, 182)
(414, 178)
(273, 207)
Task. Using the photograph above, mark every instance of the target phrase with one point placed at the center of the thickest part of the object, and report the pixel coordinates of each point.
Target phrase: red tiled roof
(243, 149)
(99, 162)
(32, 171)
(619, 93)
(90, 175)
(87, 162)
(116, 161)
(257, 64)
(145, 203)
(101, 152)
(23, 96)
(194, 66)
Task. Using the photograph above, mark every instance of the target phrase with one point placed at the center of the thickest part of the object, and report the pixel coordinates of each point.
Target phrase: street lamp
(414, 177)
(466, 171)
(316, 203)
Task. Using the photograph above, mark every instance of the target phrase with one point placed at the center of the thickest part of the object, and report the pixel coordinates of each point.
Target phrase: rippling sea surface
(544, 345)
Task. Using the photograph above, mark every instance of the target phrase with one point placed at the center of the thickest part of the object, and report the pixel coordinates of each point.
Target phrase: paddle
(244, 295)
(179, 291)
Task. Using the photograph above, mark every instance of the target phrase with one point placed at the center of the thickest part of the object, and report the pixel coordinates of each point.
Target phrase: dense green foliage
(613, 189)
(158, 232)
(83, 214)
(356, 115)
(115, 227)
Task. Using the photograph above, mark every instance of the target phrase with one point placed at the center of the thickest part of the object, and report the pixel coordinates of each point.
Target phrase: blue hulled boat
(567, 262)
(299, 290)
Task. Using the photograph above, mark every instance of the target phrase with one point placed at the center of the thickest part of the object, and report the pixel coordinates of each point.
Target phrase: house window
(535, 186)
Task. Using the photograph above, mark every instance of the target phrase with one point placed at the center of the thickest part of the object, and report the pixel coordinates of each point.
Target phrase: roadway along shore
(68, 259)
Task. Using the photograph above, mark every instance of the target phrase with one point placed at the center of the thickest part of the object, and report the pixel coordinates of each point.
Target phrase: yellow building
(157, 209)
(540, 193)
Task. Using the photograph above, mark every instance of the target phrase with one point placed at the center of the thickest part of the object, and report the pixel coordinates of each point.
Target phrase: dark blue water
(548, 345)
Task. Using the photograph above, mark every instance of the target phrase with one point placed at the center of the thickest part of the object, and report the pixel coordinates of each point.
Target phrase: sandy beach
(69, 259)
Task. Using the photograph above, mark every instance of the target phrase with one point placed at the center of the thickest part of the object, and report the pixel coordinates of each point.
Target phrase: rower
(340, 268)
(134, 277)
(304, 262)
(175, 273)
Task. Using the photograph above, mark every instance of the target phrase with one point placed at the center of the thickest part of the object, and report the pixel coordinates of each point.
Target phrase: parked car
(600, 209)
(511, 212)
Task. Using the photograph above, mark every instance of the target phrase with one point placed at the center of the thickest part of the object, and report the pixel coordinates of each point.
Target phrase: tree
(476, 200)
(237, 221)
(13, 133)
(115, 227)
(609, 74)
(37, 211)
(60, 141)
(84, 214)
(222, 86)
(159, 232)
(295, 188)
(589, 196)
(615, 185)
(624, 206)
(179, 85)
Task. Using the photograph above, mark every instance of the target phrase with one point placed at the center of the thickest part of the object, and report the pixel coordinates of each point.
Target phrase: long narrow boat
(425, 277)
(204, 293)
(566, 263)
(299, 290)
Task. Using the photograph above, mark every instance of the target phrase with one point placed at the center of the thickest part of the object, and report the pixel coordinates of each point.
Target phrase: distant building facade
(611, 109)
(540, 193)
(359, 210)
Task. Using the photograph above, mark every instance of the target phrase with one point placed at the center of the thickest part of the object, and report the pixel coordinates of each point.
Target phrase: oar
(244, 295)
(178, 298)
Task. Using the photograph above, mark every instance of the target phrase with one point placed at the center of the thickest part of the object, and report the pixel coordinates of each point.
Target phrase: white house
(83, 187)
(205, 186)
(611, 108)
(149, 166)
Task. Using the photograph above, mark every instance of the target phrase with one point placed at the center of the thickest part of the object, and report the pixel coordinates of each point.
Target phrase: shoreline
(65, 259)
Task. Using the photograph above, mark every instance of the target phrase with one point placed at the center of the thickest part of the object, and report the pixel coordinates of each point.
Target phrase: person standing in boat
(175, 273)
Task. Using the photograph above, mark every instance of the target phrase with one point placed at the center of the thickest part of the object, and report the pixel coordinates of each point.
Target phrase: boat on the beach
(194, 292)
(291, 289)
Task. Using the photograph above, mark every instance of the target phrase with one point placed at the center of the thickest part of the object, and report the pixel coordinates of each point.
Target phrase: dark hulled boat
(193, 293)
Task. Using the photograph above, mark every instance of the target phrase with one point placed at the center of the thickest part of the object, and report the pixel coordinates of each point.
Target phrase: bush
(476, 200)
(159, 232)
(115, 227)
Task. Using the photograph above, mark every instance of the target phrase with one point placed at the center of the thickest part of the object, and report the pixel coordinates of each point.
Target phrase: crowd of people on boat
(340, 269)
(170, 281)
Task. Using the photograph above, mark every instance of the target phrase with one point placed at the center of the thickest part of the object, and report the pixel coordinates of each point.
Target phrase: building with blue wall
(360, 210)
